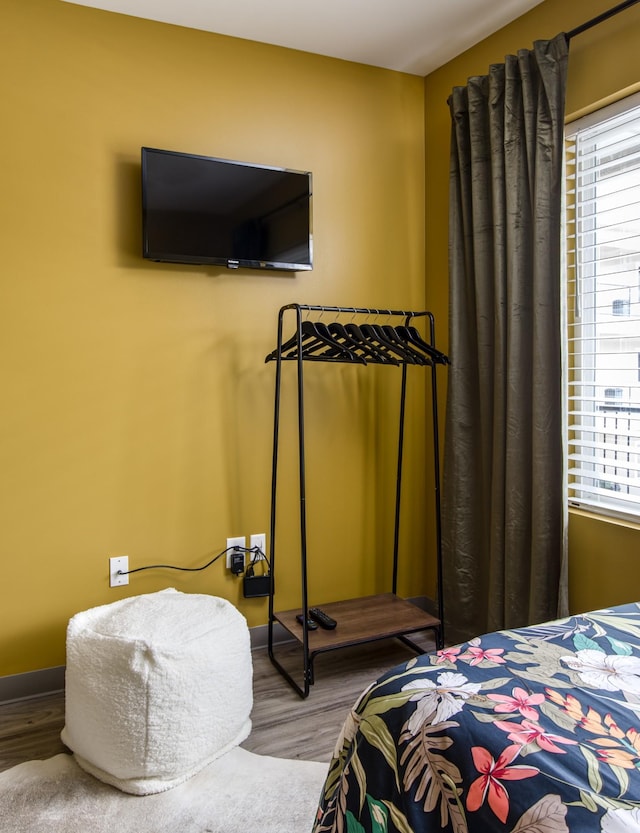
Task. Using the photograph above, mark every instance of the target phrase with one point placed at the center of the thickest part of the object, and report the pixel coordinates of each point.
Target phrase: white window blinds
(603, 310)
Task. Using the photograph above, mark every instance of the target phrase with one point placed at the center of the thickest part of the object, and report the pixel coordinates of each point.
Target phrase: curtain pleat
(503, 506)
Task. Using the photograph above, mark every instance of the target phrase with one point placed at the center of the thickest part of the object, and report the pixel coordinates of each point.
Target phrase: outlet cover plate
(259, 540)
(119, 563)
(235, 542)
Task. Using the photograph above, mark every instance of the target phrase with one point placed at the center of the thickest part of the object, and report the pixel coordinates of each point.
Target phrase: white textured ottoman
(157, 687)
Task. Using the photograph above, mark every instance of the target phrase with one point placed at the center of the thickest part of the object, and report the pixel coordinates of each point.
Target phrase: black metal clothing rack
(340, 343)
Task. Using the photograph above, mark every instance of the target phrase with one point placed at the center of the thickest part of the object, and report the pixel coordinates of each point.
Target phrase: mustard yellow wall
(136, 411)
(604, 568)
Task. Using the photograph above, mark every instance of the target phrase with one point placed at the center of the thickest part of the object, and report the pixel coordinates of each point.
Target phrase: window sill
(598, 516)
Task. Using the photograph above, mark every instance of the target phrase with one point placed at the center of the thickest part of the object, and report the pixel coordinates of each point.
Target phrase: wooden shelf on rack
(361, 620)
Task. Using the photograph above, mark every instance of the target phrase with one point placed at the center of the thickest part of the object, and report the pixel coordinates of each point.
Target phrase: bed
(535, 730)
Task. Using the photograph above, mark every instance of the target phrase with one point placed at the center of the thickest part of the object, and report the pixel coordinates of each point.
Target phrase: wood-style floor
(284, 725)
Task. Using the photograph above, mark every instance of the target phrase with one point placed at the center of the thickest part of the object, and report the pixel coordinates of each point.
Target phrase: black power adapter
(237, 563)
(254, 586)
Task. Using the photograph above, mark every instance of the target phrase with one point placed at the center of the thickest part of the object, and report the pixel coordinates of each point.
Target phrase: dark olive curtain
(503, 506)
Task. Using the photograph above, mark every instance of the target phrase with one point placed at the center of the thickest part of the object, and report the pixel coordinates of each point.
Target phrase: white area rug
(241, 792)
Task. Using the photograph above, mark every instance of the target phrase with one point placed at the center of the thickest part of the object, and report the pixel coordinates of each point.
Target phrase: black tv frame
(231, 175)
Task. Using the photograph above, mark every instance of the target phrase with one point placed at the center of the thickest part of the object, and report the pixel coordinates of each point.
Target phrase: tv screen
(204, 210)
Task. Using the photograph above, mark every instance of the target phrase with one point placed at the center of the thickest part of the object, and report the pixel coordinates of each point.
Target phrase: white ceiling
(414, 36)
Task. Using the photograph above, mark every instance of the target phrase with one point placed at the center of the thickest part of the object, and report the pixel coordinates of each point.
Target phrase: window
(602, 224)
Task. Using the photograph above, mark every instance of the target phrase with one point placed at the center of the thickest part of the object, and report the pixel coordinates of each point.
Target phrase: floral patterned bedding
(535, 730)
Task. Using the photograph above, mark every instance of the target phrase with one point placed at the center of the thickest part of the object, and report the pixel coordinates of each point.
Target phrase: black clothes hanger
(339, 332)
(317, 341)
(308, 335)
(310, 339)
(355, 340)
(375, 334)
(379, 353)
(413, 337)
(336, 346)
(404, 345)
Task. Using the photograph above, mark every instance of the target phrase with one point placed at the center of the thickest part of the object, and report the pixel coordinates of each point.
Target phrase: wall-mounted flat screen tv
(204, 210)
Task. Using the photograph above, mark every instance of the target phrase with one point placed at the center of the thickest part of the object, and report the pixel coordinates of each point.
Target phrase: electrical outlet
(115, 564)
(234, 542)
(259, 540)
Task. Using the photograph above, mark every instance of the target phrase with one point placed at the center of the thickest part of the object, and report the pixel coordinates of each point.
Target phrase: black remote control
(323, 619)
(311, 625)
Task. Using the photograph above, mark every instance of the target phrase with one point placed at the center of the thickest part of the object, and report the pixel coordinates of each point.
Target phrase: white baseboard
(51, 680)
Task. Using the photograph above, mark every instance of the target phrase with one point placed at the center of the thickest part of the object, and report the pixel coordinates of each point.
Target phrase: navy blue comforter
(535, 730)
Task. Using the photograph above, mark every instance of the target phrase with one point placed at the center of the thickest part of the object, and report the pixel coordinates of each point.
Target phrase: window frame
(600, 503)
